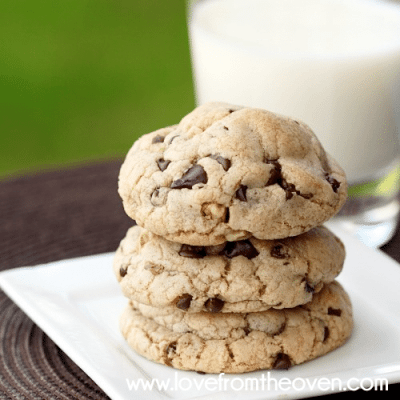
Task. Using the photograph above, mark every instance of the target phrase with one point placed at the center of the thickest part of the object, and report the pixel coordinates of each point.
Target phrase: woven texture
(47, 217)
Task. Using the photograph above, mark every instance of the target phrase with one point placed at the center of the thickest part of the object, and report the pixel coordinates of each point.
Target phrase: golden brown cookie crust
(245, 276)
(235, 343)
(226, 173)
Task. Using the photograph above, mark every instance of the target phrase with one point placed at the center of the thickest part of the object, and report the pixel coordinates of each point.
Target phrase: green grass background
(82, 79)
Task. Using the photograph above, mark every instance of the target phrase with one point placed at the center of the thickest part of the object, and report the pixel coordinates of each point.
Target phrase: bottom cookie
(234, 343)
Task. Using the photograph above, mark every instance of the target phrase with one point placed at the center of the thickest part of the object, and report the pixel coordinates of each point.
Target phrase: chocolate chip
(227, 215)
(192, 251)
(241, 193)
(163, 164)
(278, 252)
(289, 188)
(242, 248)
(201, 372)
(191, 177)
(122, 272)
(157, 139)
(275, 174)
(326, 333)
(274, 177)
(226, 164)
(214, 305)
(308, 288)
(334, 311)
(333, 182)
(226, 128)
(230, 352)
(230, 111)
(262, 290)
(289, 195)
(282, 361)
(247, 329)
(183, 302)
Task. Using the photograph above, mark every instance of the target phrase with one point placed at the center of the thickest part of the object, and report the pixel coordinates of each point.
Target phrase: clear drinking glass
(335, 64)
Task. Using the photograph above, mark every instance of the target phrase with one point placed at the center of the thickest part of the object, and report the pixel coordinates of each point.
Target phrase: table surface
(49, 216)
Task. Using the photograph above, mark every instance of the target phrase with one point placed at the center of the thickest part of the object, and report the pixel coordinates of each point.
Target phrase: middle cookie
(244, 276)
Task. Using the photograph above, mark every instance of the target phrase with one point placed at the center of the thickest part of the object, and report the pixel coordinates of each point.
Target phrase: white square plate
(78, 302)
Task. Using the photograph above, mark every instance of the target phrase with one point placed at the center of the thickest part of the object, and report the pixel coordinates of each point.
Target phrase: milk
(335, 64)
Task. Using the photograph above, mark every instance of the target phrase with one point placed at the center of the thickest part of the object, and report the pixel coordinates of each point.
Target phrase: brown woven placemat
(47, 217)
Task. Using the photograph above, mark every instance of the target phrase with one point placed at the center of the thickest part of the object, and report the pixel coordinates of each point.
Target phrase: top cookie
(226, 173)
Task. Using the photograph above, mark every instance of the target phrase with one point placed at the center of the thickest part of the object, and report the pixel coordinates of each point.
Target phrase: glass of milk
(335, 64)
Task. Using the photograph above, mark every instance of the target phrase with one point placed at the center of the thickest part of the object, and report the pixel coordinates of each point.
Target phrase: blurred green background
(82, 79)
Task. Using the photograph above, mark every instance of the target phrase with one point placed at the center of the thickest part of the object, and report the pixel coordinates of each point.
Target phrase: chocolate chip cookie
(234, 343)
(243, 276)
(226, 173)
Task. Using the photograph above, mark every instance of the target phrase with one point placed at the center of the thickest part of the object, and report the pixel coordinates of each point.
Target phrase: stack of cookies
(229, 268)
